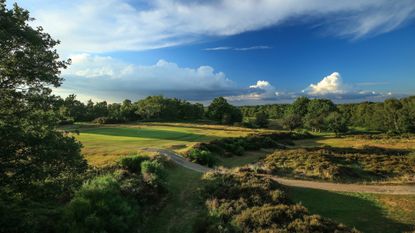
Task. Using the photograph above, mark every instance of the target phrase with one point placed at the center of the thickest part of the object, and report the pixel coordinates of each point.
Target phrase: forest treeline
(392, 115)
(152, 108)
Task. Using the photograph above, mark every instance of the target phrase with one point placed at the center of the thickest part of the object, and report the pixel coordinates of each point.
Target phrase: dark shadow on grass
(149, 133)
(308, 143)
(203, 127)
(359, 211)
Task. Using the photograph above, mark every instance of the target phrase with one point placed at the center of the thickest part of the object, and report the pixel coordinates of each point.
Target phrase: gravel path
(356, 188)
(360, 188)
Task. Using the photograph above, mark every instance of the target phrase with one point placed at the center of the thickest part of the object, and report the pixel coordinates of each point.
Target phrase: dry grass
(399, 207)
(344, 164)
(358, 142)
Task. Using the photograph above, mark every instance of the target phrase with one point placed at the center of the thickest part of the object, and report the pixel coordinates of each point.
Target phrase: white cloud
(106, 76)
(262, 90)
(218, 48)
(333, 87)
(257, 47)
(331, 84)
(114, 25)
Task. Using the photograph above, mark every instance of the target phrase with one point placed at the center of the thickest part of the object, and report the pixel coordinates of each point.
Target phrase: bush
(202, 157)
(245, 202)
(153, 173)
(107, 120)
(261, 120)
(228, 147)
(67, 121)
(133, 163)
(99, 207)
(344, 164)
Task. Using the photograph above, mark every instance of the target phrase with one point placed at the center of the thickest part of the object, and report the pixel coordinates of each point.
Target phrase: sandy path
(337, 187)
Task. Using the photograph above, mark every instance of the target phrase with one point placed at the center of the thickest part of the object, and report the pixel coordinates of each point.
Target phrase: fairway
(103, 145)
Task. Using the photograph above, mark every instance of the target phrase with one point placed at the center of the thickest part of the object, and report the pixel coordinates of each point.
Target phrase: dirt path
(360, 188)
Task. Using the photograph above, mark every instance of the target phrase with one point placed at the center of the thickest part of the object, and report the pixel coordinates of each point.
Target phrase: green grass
(182, 206)
(102, 145)
(368, 213)
(247, 158)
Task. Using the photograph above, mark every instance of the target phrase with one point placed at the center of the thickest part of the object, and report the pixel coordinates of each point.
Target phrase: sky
(249, 51)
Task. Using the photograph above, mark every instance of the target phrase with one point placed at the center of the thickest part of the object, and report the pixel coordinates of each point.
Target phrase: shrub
(153, 173)
(245, 202)
(99, 207)
(107, 120)
(66, 121)
(344, 164)
(261, 120)
(133, 163)
(202, 157)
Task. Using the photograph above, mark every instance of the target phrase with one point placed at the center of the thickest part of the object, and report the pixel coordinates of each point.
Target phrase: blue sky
(251, 52)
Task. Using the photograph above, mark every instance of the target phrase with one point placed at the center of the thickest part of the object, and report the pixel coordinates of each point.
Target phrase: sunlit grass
(104, 144)
(351, 141)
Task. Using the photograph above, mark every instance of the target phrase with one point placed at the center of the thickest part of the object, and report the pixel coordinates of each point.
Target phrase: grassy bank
(369, 213)
(182, 205)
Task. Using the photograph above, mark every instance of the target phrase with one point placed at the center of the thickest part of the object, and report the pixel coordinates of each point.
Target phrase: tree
(261, 120)
(336, 123)
(392, 109)
(128, 110)
(299, 106)
(291, 122)
(220, 110)
(72, 109)
(317, 110)
(35, 159)
(161, 108)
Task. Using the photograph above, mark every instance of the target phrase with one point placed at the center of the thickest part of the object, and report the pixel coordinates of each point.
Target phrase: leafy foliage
(221, 111)
(261, 120)
(132, 163)
(202, 157)
(228, 147)
(36, 161)
(152, 172)
(336, 123)
(117, 202)
(100, 207)
(393, 115)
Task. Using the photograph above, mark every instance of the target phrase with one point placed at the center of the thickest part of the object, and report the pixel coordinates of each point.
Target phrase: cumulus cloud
(261, 91)
(331, 84)
(104, 75)
(333, 87)
(113, 25)
(107, 78)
